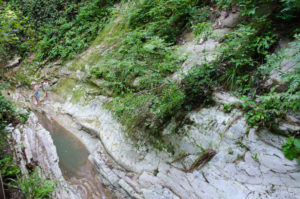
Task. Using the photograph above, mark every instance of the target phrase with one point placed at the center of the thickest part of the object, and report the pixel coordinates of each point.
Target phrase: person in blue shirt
(37, 93)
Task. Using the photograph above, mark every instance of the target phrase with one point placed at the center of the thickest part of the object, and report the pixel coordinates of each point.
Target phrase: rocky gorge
(214, 153)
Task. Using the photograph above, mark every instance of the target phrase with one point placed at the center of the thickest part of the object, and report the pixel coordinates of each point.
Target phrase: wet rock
(244, 167)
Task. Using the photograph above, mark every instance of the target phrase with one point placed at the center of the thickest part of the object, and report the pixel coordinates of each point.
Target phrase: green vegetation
(198, 86)
(273, 105)
(137, 73)
(227, 108)
(16, 33)
(8, 114)
(291, 148)
(163, 18)
(33, 186)
(140, 56)
(52, 29)
(138, 70)
(203, 30)
(285, 9)
(73, 30)
(245, 62)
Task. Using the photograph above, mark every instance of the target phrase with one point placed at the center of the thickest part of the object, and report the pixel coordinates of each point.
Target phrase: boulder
(227, 20)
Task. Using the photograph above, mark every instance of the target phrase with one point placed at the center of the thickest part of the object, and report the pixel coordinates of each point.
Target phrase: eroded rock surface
(247, 164)
(202, 50)
(34, 145)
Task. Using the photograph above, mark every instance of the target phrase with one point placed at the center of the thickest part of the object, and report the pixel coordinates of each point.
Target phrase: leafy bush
(74, 30)
(141, 63)
(227, 108)
(270, 108)
(284, 9)
(200, 14)
(267, 113)
(163, 18)
(169, 102)
(198, 86)
(148, 111)
(33, 186)
(203, 30)
(42, 12)
(242, 50)
(291, 148)
(8, 113)
(289, 9)
(65, 27)
(16, 33)
(9, 169)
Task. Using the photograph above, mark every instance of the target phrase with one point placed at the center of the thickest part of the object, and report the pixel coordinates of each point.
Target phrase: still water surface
(73, 159)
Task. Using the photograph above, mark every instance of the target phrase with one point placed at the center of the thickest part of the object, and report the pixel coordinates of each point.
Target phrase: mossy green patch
(65, 87)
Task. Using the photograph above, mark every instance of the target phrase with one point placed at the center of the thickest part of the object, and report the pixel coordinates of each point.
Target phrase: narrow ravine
(73, 159)
(211, 153)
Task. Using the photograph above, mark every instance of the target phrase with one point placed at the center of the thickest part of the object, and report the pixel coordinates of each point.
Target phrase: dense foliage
(54, 29)
(273, 105)
(16, 33)
(140, 71)
(245, 62)
(163, 18)
(74, 30)
(8, 113)
(138, 67)
(198, 86)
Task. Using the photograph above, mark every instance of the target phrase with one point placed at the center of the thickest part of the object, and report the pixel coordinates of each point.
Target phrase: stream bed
(73, 160)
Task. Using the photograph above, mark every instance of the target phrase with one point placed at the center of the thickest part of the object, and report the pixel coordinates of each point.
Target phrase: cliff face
(33, 145)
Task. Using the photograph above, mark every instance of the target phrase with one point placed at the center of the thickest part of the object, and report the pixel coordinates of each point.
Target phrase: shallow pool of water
(73, 159)
(71, 152)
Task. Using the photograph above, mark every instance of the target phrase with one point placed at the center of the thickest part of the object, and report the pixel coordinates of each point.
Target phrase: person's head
(33, 84)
